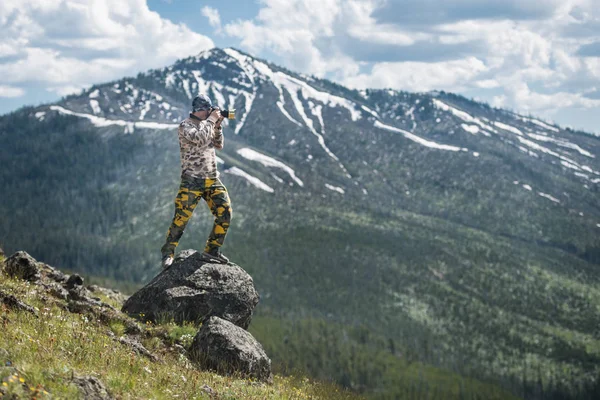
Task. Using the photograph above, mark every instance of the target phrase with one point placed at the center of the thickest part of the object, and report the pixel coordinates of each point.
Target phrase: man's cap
(201, 102)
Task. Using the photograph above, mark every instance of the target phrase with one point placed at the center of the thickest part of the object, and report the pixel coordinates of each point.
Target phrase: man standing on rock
(199, 135)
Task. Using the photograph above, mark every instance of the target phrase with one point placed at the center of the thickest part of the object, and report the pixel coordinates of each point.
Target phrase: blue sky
(533, 56)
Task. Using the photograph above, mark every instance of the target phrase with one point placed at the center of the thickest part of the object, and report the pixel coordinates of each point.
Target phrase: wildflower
(21, 380)
(4, 384)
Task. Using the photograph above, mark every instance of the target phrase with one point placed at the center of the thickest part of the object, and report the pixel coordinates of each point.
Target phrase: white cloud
(65, 45)
(521, 55)
(290, 28)
(11, 91)
(212, 14)
(420, 76)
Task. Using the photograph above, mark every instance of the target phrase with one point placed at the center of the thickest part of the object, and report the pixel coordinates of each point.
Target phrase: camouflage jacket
(197, 142)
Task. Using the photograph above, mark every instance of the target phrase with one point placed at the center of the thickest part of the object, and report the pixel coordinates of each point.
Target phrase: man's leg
(185, 203)
(218, 201)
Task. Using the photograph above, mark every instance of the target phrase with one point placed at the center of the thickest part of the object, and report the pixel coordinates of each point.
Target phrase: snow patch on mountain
(200, 86)
(549, 197)
(335, 188)
(104, 122)
(267, 161)
(464, 116)
(145, 109)
(567, 162)
(372, 112)
(508, 128)
(186, 87)
(249, 100)
(95, 106)
(251, 179)
(541, 124)
(472, 129)
(562, 143)
(418, 139)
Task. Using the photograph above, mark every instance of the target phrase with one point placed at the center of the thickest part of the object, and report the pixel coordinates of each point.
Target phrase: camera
(229, 114)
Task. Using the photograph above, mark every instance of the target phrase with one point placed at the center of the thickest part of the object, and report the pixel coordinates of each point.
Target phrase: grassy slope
(48, 350)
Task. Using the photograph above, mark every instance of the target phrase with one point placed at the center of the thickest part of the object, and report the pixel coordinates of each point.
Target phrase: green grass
(47, 351)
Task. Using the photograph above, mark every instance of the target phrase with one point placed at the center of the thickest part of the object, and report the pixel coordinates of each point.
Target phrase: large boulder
(21, 265)
(225, 348)
(193, 290)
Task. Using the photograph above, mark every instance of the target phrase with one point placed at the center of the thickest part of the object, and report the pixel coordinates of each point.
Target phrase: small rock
(93, 288)
(106, 314)
(52, 273)
(12, 302)
(180, 349)
(112, 294)
(73, 281)
(208, 390)
(56, 290)
(137, 347)
(92, 388)
(80, 293)
(226, 348)
(22, 266)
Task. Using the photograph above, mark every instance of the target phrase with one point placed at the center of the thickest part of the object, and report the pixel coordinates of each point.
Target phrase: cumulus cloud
(64, 45)
(213, 16)
(530, 55)
(420, 76)
(11, 91)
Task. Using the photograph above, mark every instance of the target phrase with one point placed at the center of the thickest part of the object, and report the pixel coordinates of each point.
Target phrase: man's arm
(218, 139)
(200, 134)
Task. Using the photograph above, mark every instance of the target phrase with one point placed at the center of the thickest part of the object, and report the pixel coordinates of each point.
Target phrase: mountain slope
(469, 235)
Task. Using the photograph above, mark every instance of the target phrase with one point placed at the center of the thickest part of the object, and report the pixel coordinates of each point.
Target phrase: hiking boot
(215, 256)
(167, 261)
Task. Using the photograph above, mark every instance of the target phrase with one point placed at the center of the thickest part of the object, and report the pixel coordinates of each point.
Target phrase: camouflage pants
(190, 192)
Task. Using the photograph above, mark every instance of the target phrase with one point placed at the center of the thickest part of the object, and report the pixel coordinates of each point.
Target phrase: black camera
(229, 114)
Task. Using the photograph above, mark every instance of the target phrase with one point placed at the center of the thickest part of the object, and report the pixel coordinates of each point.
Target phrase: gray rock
(74, 281)
(52, 273)
(92, 388)
(193, 290)
(224, 347)
(208, 390)
(12, 302)
(137, 347)
(106, 314)
(22, 266)
(112, 294)
(56, 290)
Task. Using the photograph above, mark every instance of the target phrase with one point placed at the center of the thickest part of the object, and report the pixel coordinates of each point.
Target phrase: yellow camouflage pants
(190, 192)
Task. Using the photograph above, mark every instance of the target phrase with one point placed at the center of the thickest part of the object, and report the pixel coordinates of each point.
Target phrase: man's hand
(215, 115)
(218, 123)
